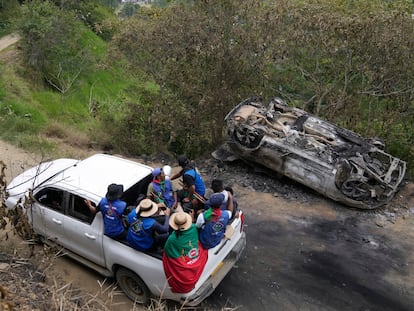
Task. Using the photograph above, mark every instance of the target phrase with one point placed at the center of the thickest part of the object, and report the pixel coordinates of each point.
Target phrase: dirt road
(8, 40)
(303, 252)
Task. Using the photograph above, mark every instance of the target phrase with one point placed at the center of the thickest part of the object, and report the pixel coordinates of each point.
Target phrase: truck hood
(35, 176)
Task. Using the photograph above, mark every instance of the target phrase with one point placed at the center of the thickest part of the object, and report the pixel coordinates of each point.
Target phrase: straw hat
(180, 221)
(147, 208)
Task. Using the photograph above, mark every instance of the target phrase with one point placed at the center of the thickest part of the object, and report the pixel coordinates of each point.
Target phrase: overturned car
(334, 161)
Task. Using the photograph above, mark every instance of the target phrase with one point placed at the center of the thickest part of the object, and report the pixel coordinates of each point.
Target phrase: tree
(347, 61)
(52, 43)
(206, 56)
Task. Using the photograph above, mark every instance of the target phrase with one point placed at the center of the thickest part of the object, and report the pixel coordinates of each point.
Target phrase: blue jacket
(140, 231)
(165, 192)
(200, 188)
(112, 216)
(213, 231)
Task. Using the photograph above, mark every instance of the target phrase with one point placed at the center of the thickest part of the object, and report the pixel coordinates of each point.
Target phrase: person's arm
(191, 191)
(92, 208)
(150, 191)
(230, 205)
(166, 226)
(176, 175)
(175, 199)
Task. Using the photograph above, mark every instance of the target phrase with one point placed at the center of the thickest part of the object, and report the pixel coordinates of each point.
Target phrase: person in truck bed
(145, 233)
(213, 221)
(160, 190)
(217, 186)
(192, 179)
(112, 208)
(184, 258)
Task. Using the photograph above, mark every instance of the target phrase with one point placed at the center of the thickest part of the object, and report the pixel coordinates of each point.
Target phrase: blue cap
(156, 171)
(215, 200)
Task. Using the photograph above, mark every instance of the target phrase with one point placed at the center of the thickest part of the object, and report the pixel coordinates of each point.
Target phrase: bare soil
(8, 40)
(304, 252)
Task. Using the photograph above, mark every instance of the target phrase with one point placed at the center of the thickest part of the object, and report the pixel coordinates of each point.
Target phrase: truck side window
(79, 210)
(52, 198)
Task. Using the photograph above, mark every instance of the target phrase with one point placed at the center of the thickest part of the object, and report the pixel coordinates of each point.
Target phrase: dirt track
(8, 40)
(304, 252)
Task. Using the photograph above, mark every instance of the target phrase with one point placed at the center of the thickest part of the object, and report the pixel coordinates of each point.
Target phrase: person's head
(158, 173)
(180, 221)
(217, 185)
(147, 208)
(182, 160)
(215, 200)
(229, 189)
(185, 186)
(114, 192)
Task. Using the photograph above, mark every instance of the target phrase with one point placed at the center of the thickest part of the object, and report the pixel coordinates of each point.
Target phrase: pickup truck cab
(59, 216)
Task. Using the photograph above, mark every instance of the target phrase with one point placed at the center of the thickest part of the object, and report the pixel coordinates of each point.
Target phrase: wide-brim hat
(180, 221)
(147, 208)
(114, 192)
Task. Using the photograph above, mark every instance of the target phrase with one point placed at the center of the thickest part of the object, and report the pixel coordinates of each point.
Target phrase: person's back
(184, 258)
(140, 233)
(112, 216)
(112, 209)
(213, 222)
(142, 227)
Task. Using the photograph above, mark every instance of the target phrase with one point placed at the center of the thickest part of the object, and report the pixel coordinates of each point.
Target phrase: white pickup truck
(58, 215)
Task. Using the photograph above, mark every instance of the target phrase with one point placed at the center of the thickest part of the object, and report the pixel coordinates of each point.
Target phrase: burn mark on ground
(326, 264)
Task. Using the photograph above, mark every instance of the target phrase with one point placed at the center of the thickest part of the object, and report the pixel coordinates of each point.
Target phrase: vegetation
(162, 78)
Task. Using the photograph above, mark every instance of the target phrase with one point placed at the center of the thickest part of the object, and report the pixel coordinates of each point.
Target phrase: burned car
(333, 161)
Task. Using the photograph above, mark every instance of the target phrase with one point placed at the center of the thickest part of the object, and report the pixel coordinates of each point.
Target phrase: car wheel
(133, 286)
(356, 189)
(248, 136)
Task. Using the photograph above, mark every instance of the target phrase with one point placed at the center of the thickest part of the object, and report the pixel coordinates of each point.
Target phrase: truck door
(48, 213)
(84, 233)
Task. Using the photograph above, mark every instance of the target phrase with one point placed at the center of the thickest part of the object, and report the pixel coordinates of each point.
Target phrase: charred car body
(334, 161)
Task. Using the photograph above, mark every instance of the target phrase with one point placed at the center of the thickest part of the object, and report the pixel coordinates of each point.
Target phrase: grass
(31, 113)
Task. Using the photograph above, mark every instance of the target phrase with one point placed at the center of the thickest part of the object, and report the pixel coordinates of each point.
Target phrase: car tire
(248, 136)
(133, 286)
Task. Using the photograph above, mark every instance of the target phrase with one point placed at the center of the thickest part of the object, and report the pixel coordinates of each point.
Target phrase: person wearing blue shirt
(112, 209)
(192, 179)
(212, 223)
(160, 190)
(145, 233)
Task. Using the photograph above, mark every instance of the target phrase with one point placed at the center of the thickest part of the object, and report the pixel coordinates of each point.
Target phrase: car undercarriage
(334, 161)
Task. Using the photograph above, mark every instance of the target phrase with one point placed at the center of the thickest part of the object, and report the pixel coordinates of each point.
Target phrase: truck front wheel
(133, 286)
